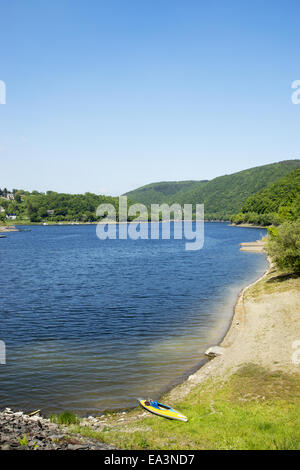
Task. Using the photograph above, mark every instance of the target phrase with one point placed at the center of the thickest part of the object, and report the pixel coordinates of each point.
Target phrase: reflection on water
(91, 324)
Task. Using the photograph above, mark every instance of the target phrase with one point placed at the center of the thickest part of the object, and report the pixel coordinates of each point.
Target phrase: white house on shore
(11, 216)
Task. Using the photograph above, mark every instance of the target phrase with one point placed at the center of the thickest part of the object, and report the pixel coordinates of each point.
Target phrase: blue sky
(106, 96)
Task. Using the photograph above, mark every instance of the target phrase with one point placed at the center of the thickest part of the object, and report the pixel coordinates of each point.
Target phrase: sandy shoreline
(263, 329)
(8, 228)
(217, 365)
(245, 225)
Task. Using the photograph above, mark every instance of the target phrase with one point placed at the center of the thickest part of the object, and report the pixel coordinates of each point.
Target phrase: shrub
(284, 246)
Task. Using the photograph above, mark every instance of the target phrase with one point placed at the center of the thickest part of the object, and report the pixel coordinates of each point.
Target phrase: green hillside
(274, 204)
(222, 196)
(158, 193)
(282, 193)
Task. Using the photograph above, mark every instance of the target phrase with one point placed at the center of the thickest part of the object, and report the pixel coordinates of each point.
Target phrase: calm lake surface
(91, 325)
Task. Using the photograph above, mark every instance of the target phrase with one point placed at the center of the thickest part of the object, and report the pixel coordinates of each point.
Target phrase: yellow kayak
(162, 410)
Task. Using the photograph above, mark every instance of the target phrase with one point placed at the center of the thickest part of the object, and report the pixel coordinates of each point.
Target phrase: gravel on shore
(19, 431)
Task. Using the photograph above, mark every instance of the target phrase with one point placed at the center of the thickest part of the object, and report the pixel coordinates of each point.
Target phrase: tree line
(55, 207)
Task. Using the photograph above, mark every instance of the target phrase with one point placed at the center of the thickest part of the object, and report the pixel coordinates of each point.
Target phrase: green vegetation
(278, 202)
(284, 246)
(2, 218)
(67, 418)
(54, 207)
(222, 196)
(24, 441)
(163, 192)
(253, 409)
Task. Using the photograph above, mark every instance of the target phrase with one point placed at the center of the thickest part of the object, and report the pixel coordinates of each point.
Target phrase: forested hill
(278, 202)
(222, 196)
(165, 191)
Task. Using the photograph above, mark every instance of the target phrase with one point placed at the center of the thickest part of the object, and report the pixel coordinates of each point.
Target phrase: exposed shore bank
(8, 228)
(245, 225)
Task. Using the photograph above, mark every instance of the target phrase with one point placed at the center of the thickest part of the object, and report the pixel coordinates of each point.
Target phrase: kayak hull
(162, 410)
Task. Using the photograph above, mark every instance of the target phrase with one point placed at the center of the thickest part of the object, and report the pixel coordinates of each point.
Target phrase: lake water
(91, 325)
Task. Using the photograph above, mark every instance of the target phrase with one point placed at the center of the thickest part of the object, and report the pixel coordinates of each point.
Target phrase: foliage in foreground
(24, 441)
(284, 246)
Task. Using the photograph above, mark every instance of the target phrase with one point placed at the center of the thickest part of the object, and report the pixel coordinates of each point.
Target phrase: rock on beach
(19, 431)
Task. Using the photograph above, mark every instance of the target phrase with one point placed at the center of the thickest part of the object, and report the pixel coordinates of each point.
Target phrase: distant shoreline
(8, 228)
(247, 225)
(60, 224)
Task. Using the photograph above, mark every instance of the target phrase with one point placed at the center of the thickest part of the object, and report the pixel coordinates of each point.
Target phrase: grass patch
(67, 418)
(253, 409)
(24, 441)
(275, 282)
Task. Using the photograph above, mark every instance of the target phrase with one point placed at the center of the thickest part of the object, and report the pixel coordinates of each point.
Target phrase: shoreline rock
(214, 351)
(19, 431)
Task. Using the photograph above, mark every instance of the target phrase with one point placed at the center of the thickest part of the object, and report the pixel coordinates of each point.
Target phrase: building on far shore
(10, 196)
(11, 216)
